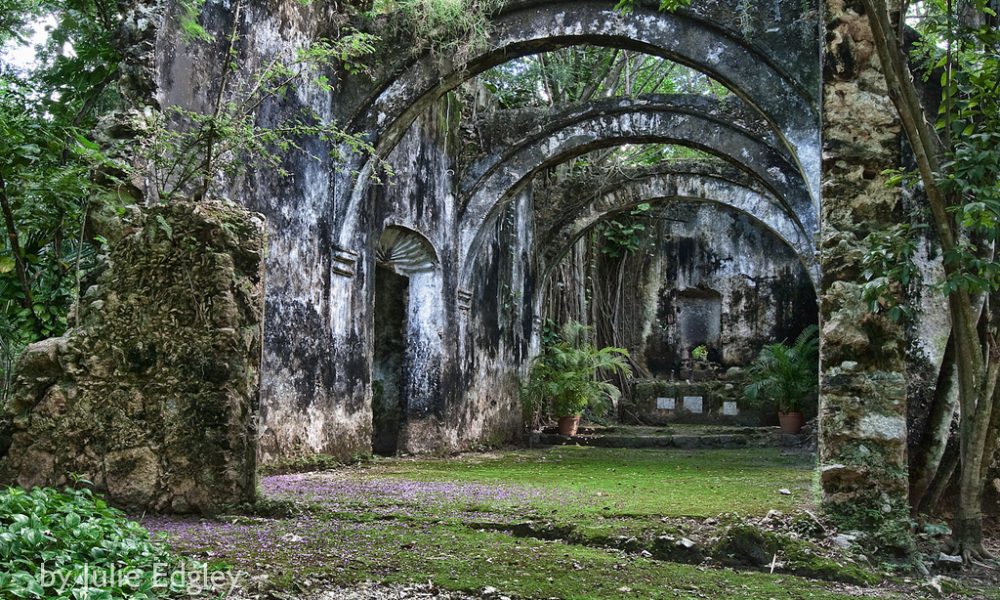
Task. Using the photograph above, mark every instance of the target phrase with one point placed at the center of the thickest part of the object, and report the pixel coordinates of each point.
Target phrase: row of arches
(473, 241)
(764, 138)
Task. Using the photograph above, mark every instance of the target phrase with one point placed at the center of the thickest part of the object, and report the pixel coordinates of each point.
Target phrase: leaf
(165, 227)
(7, 264)
(83, 141)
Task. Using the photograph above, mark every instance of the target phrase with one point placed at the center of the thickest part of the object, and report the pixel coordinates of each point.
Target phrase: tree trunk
(942, 481)
(15, 247)
(925, 465)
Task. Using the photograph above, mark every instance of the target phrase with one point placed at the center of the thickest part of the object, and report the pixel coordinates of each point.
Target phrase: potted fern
(570, 376)
(786, 377)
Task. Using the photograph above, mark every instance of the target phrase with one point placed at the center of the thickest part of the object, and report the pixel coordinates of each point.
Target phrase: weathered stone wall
(863, 388)
(695, 251)
(153, 396)
(468, 340)
(317, 381)
(763, 290)
(464, 347)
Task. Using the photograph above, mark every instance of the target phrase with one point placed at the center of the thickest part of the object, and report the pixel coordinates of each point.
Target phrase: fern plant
(571, 374)
(785, 376)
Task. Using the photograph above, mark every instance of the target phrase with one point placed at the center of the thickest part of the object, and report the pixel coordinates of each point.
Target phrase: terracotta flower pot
(791, 422)
(568, 425)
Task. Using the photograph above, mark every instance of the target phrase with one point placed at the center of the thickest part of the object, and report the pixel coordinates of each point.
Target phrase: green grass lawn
(630, 482)
(455, 522)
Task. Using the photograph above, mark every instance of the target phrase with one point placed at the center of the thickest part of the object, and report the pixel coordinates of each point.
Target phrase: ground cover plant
(71, 544)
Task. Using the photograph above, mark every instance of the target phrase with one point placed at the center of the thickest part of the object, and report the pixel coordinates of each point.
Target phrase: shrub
(785, 376)
(567, 375)
(59, 544)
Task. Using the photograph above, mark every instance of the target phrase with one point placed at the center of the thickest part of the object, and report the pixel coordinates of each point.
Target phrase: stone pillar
(154, 395)
(862, 385)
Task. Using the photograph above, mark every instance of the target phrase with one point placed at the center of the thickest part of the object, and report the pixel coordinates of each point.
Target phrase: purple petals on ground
(347, 489)
(249, 545)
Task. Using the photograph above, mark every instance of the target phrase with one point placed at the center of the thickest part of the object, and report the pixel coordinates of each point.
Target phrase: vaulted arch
(599, 130)
(620, 195)
(695, 39)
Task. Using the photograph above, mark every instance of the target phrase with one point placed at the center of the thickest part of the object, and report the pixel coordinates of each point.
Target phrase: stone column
(862, 385)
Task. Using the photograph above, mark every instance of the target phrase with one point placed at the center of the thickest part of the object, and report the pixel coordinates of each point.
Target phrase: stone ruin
(153, 396)
(402, 317)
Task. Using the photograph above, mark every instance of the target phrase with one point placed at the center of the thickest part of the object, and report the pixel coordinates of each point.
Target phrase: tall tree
(958, 166)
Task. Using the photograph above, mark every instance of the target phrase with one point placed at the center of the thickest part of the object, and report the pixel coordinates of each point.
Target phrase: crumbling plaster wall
(466, 345)
(317, 381)
(766, 294)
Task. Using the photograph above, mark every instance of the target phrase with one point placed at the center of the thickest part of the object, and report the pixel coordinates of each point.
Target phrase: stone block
(148, 398)
(694, 404)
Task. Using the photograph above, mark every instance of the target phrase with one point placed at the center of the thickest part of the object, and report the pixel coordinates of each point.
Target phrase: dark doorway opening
(388, 381)
(699, 315)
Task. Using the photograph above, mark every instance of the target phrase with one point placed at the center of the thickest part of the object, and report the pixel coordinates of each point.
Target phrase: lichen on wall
(754, 285)
(862, 383)
(153, 396)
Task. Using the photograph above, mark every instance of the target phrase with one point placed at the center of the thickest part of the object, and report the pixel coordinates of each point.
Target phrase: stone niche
(153, 396)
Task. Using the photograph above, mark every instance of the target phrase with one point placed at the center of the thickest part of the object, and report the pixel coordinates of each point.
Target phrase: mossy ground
(559, 523)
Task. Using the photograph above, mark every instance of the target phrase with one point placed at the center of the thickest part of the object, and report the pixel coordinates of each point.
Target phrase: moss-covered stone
(746, 545)
(154, 396)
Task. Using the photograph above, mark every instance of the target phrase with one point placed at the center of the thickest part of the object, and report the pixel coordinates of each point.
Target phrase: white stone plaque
(730, 409)
(666, 403)
(693, 404)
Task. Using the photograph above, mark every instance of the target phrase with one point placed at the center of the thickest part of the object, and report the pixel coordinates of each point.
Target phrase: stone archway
(402, 256)
(753, 70)
(708, 181)
(643, 126)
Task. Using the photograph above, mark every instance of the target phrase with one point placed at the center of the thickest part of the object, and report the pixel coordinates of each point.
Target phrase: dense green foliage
(570, 374)
(958, 50)
(964, 52)
(55, 544)
(51, 174)
(452, 28)
(785, 376)
(622, 236)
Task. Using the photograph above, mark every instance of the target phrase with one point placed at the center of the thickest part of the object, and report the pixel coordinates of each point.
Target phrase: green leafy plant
(52, 543)
(889, 269)
(700, 353)
(621, 236)
(452, 28)
(627, 6)
(785, 376)
(570, 374)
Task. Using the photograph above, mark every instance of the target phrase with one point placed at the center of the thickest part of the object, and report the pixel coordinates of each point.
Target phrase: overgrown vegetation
(566, 522)
(958, 165)
(785, 377)
(455, 29)
(54, 176)
(51, 174)
(72, 545)
(186, 152)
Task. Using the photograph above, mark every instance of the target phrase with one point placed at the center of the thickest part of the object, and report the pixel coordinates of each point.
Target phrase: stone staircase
(686, 437)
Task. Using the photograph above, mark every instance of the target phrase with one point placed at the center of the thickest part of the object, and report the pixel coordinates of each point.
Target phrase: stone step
(683, 441)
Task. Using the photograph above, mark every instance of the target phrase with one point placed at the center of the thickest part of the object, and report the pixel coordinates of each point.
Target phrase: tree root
(974, 553)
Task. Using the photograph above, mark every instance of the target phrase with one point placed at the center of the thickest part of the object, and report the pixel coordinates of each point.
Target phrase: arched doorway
(400, 255)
